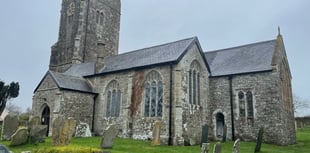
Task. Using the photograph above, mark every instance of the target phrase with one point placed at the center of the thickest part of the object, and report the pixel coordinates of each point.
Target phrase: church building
(241, 88)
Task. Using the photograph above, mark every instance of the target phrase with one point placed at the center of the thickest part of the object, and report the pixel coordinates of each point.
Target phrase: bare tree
(300, 103)
(13, 109)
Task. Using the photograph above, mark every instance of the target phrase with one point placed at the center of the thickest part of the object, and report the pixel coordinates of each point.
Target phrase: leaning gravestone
(37, 133)
(224, 133)
(204, 135)
(19, 137)
(82, 130)
(108, 137)
(205, 148)
(3, 149)
(9, 127)
(62, 131)
(259, 140)
(236, 148)
(217, 148)
(156, 133)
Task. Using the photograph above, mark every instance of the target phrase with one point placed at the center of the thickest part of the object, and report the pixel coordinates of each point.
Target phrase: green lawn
(135, 146)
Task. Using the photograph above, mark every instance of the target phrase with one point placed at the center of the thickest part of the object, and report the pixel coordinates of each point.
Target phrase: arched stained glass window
(113, 99)
(241, 104)
(153, 102)
(194, 83)
(249, 99)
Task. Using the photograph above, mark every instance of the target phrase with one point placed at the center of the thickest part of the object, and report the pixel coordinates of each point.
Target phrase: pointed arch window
(113, 99)
(153, 103)
(194, 83)
(246, 107)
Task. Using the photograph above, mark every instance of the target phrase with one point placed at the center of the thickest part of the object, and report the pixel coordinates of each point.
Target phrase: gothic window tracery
(194, 83)
(246, 108)
(153, 95)
(113, 99)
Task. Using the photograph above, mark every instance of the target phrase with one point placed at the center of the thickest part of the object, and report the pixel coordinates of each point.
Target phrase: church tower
(88, 32)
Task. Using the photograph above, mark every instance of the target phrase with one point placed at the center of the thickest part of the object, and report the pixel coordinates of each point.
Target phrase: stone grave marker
(9, 127)
(20, 137)
(236, 148)
(259, 140)
(204, 134)
(3, 149)
(108, 137)
(217, 148)
(205, 147)
(62, 131)
(224, 133)
(37, 133)
(82, 130)
(156, 133)
(35, 121)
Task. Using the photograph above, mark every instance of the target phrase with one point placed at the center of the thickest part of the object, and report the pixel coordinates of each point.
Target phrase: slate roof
(249, 58)
(165, 53)
(83, 69)
(69, 82)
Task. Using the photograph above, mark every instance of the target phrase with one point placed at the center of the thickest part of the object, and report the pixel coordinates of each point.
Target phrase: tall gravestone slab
(156, 133)
(37, 133)
(204, 134)
(259, 140)
(205, 147)
(62, 131)
(224, 133)
(217, 148)
(236, 148)
(9, 126)
(20, 137)
(4, 149)
(108, 137)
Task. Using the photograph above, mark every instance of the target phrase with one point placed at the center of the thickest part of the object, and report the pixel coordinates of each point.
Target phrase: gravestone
(205, 147)
(204, 135)
(156, 133)
(108, 137)
(37, 133)
(259, 140)
(82, 130)
(224, 133)
(62, 131)
(236, 148)
(217, 148)
(20, 137)
(3, 149)
(9, 127)
(34, 121)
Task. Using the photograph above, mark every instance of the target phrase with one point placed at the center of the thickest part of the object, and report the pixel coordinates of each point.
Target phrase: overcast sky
(28, 28)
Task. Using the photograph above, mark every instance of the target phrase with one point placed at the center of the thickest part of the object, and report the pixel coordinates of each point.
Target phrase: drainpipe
(170, 106)
(231, 107)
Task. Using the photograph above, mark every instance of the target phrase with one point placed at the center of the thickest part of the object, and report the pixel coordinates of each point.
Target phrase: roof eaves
(242, 73)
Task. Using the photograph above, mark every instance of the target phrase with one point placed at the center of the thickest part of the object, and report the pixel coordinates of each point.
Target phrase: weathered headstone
(205, 147)
(236, 148)
(3, 149)
(9, 127)
(259, 140)
(20, 137)
(62, 131)
(34, 121)
(108, 137)
(224, 133)
(204, 134)
(217, 148)
(37, 133)
(156, 133)
(82, 130)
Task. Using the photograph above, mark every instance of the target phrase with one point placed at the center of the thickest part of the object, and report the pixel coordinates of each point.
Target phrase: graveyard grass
(135, 146)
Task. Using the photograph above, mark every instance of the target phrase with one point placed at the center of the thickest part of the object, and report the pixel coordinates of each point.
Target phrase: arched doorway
(45, 118)
(220, 122)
